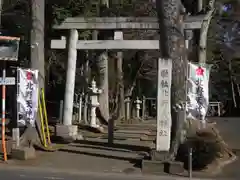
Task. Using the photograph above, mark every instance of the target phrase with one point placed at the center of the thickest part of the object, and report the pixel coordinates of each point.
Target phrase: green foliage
(62, 10)
(16, 21)
(226, 64)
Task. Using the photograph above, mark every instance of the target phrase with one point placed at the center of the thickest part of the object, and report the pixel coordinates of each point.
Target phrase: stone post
(127, 106)
(61, 112)
(138, 107)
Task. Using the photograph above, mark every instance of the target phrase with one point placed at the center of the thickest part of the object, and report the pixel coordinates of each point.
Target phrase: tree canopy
(139, 67)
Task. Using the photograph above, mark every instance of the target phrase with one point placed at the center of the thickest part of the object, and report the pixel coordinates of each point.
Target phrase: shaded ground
(122, 159)
(80, 157)
(78, 161)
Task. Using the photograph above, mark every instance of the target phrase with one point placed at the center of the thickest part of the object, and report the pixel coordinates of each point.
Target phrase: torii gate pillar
(67, 130)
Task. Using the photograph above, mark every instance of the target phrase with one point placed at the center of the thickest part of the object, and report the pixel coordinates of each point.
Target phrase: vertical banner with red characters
(27, 96)
(198, 91)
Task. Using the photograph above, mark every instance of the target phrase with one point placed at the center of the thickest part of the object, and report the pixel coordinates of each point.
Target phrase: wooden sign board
(164, 119)
(9, 47)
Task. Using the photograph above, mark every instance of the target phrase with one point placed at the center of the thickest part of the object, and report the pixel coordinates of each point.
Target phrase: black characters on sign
(200, 97)
(28, 95)
(164, 82)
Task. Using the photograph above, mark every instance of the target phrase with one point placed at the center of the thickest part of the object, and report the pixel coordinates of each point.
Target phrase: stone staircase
(138, 134)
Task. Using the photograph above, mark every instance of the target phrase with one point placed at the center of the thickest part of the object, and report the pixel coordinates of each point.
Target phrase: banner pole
(45, 116)
(15, 130)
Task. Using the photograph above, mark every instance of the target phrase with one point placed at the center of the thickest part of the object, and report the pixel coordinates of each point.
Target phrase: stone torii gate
(113, 23)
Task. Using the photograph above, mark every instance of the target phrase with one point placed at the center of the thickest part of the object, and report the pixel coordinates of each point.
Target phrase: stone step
(143, 135)
(103, 136)
(136, 127)
(126, 143)
(148, 138)
(124, 136)
(153, 133)
(136, 131)
(91, 134)
(116, 152)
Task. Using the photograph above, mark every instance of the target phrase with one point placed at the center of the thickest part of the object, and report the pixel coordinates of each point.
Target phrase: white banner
(164, 120)
(198, 91)
(27, 96)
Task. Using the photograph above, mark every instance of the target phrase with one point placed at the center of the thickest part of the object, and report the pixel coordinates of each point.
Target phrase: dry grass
(209, 149)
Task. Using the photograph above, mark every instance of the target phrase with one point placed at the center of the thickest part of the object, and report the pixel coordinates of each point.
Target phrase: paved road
(229, 130)
(11, 174)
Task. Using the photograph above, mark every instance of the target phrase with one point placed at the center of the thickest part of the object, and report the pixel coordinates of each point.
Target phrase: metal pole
(3, 99)
(15, 130)
(190, 163)
(4, 112)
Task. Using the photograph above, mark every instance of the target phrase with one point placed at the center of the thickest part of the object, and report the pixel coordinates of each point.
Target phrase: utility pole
(37, 39)
(37, 59)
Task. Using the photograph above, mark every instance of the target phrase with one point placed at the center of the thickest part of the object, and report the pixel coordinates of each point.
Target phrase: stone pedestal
(23, 153)
(160, 163)
(160, 167)
(127, 108)
(15, 138)
(159, 155)
(68, 132)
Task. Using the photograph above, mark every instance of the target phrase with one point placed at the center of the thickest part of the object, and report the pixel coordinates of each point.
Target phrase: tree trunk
(232, 83)
(1, 8)
(102, 64)
(172, 46)
(118, 35)
(86, 96)
(238, 88)
(202, 56)
(121, 85)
